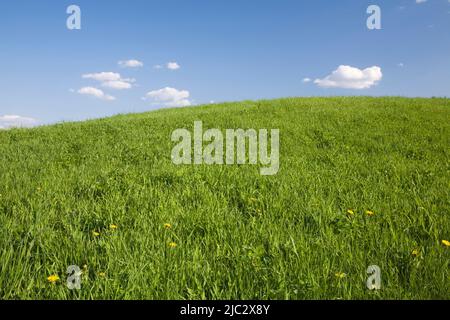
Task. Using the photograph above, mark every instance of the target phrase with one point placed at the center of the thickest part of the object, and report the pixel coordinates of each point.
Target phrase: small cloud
(103, 76)
(421, 1)
(15, 121)
(111, 80)
(131, 64)
(347, 77)
(401, 65)
(306, 80)
(169, 97)
(117, 85)
(170, 65)
(173, 66)
(97, 93)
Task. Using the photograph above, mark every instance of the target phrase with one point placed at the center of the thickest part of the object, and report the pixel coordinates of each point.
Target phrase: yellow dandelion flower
(172, 245)
(53, 278)
(350, 212)
(167, 226)
(370, 213)
(96, 234)
(113, 226)
(415, 253)
(340, 275)
(446, 243)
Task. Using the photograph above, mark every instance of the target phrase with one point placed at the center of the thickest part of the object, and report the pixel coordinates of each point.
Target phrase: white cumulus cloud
(97, 93)
(110, 80)
(131, 63)
(173, 66)
(117, 85)
(170, 97)
(347, 77)
(15, 121)
(306, 80)
(170, 66)
(103, 76)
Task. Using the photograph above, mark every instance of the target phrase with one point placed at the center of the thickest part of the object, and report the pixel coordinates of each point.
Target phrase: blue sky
(226, 50)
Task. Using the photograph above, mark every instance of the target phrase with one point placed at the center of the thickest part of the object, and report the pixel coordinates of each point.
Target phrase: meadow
(362, 181)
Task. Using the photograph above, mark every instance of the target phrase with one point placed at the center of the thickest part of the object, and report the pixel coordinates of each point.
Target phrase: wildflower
(53, 278)
(172, 245)
(113, 226)
(95, 233)
(102, 274)
(340, 275)
(415, 253)
(167, 226)
(370, 213)
(350, 212)
(446, 243)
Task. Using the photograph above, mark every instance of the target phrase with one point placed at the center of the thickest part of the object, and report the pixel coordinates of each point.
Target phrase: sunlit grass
(363, 182)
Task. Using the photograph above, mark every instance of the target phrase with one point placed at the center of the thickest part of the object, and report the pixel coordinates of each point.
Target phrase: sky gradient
(198, 51)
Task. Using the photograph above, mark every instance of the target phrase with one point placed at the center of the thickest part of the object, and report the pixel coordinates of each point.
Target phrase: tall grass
(238, 235)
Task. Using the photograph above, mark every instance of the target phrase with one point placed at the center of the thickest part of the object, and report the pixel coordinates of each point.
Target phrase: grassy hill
(99, 194)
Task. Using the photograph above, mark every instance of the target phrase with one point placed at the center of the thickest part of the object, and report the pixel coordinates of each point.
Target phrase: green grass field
(238, 235)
